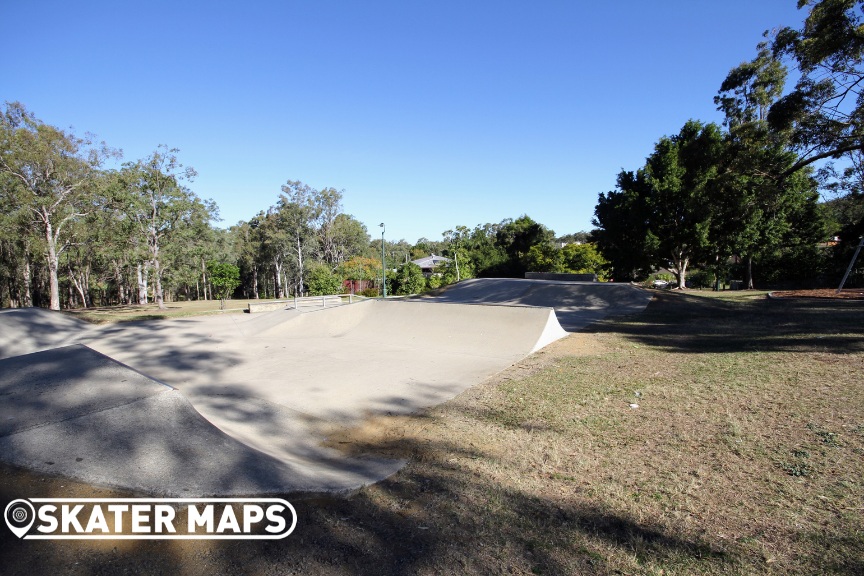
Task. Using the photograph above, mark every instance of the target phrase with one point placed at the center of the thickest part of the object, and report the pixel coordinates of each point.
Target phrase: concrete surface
(577, 304)
(240, 404)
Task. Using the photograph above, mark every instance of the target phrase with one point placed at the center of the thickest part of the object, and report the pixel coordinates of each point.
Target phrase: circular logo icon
(20, 515)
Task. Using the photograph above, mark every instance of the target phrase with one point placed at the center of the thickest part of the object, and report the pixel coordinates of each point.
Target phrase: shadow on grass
(435, 517)
(677, 322)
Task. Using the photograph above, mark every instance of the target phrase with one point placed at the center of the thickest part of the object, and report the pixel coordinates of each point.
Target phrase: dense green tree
(570, 258)
(680, 173)
(758, 199)
(622, 221)
(516, 237)
(661, 216)
(225, 278)
(322, 281)
(408, 279)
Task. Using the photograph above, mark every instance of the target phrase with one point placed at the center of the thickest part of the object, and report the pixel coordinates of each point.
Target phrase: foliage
(49, 176)
(571, 258)
(408, 279)
(225, 278)
(516, 237)
(321, 281)
(666, 203)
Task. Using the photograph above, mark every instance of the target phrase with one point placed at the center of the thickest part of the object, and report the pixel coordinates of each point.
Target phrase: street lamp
(383, 265)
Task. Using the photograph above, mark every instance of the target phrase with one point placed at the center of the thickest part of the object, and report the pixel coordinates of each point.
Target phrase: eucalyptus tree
(759, 197)
(161, 209)
(17, 248)
(297, 211)
(824, 113)
(349, 239)
(327, 207)
(52, 174)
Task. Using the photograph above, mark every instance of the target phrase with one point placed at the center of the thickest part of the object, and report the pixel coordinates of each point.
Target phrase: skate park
(241, 404)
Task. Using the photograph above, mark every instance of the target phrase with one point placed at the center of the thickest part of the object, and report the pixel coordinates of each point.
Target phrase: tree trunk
(77, 283)
(300, 265)
(277, 281)
(27, 296)
(54, 285)
(204, 278)
(121, 286)
(681, 272)
(142, 286)
(748, 272)
(158, 296)
(255, 282)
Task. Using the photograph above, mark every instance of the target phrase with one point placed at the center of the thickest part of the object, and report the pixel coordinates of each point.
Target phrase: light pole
(383, 264)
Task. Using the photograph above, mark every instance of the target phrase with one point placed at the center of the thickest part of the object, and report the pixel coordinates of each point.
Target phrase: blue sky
(428, 114)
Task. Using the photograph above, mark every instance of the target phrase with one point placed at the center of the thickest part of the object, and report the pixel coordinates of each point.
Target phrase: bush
(700, 279)
(409, 280)
(321, 281)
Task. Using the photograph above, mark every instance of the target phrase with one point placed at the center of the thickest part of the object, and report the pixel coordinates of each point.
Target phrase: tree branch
(807, 161)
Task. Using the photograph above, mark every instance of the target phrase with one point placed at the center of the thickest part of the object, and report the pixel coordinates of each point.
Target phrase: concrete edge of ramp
(551, 332)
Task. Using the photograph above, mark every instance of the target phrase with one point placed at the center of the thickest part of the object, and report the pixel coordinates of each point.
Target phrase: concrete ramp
(576, 304)
(28, 330)
(509, 333)
(77, 413)
(241, 404)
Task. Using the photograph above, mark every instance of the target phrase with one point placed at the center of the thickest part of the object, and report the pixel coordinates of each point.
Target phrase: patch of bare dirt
(845, 294)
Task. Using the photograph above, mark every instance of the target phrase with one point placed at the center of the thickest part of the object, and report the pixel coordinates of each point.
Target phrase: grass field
(708, 435)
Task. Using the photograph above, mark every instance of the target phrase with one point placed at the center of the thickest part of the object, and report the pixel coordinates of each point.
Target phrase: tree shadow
(677, 322)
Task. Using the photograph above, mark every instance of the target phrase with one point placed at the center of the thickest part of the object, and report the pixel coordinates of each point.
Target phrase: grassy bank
(705, 436)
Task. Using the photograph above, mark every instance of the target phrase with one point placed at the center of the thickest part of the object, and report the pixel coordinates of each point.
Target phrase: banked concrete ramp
(576, 304)
(240, 404)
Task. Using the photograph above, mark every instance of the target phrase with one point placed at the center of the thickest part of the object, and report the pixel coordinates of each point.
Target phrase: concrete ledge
(560, 276)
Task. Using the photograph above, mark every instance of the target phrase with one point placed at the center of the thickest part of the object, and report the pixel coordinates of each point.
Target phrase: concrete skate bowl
(240, 404)
(576, 304)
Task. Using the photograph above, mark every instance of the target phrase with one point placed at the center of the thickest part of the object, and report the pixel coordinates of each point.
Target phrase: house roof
(430, 261)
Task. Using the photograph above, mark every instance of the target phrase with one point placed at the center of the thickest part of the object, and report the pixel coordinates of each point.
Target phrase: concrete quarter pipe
(239, 404)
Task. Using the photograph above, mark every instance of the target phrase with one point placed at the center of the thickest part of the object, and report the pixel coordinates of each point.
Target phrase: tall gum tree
(758, 197)
(53, 171)
(824, 113)
(153, 198)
